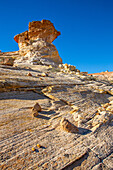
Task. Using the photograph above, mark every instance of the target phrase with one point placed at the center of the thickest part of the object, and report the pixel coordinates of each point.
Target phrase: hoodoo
(35, 45)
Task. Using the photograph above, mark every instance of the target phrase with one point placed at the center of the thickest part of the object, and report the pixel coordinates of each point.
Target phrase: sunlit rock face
(38, 41)
(38, 29)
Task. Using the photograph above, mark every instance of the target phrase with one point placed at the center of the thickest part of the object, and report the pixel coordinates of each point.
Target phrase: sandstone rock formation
(86, 104)
(38, 29)
(72, 128)
(35, 45)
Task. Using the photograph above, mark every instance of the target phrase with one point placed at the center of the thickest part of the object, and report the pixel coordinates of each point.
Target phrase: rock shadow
(83, 131)
(28, 95)
(77, 162)
(43, 147)
(42, 117)
(36, 150)
(47, 112)
(19, 68)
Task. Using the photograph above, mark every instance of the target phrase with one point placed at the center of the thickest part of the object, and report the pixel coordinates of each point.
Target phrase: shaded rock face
(37, 42)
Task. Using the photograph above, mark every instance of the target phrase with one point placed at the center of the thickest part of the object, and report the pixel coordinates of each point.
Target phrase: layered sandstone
(38, 41)
(59, 117)
(57, 120)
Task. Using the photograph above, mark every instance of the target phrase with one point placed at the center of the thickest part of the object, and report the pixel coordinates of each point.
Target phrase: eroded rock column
(37, 42)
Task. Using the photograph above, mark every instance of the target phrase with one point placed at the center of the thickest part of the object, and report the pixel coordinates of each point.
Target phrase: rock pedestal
(36, 43)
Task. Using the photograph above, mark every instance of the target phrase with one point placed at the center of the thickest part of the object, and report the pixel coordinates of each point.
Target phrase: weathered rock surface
(72, 122)
(38, 29)
(35, 45)
(104, 75)
(68, 126)
(68, 68)
(6, 61)
(7, 58)
(85, 102)
(39, 52)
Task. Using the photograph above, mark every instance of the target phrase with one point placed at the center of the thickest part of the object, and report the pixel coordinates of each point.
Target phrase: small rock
(33, 149)
(72, 68)
(44, 75)
(50, 66)
(77, 73)
(35, 114)
(29, 74)
(68, 126)
(98, 167)
(67, 68)
(60, 66)
(38, 145)
(106, 105)
(41, 78)
(36, 108)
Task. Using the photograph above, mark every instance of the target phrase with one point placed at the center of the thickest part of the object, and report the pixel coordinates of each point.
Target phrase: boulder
(68, 126)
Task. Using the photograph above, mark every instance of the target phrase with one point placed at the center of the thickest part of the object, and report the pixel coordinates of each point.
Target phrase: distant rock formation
(36, 43)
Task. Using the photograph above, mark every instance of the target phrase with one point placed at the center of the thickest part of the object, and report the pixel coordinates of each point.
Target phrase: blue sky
(86, 27)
